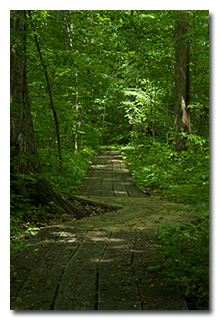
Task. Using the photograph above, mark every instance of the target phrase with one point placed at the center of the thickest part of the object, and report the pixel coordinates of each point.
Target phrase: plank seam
(97, 273)
(62, 273)
(29, 271)
(135, 276)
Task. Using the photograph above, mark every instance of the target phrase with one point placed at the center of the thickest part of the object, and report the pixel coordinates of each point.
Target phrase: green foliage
(118, 67)
(25, 217)
(20, 217)
(111, 147)
(112, 80)
(137, 111)
(73, 170)
(186, 252)
(182, 177)
(158, 170)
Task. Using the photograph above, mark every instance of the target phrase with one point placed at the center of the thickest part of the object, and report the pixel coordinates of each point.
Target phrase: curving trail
(100, 262)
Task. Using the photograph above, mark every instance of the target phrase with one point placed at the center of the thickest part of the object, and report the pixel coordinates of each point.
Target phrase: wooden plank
(117, 289)
(78, 288)
(110, 177)
(39, 289)
(106, 184)
(156, 293)
(100, 203)
(119, 187)
(118, 183)
(128, 182)
(93, 187)
(130, 187)
(28, 258)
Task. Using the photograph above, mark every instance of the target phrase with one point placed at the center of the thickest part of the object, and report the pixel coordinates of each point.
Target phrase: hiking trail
(100, 262)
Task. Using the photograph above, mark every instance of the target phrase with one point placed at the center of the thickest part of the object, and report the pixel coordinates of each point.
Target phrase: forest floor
(100, 262)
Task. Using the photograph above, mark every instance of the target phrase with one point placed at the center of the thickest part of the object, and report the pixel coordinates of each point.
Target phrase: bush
(73, 169)
(186, 252)
(182, 177)
(158, 170)
(25, 215)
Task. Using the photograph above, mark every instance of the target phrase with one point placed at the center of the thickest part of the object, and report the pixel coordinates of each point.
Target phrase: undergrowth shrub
(24, 216)
(158, 170)
(183, 177)
(185, 248)
(20, 210)
(73, 170)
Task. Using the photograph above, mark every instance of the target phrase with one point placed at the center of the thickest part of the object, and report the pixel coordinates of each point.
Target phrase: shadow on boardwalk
(109, 176)
(101, 262)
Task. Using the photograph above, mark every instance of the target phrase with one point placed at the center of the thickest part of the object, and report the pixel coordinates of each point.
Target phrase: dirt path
(100, 262)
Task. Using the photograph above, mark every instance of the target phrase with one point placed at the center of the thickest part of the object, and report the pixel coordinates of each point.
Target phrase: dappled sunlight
(92, 238)
(117, 160)
(116, 240)
(97, 260)
(112, 104)
(109, 176)
(119, 192)
(102, 166)
(120, 247)
(62, 236)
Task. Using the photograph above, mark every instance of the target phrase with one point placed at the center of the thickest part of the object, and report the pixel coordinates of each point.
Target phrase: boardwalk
(98, 263)
(109, 176)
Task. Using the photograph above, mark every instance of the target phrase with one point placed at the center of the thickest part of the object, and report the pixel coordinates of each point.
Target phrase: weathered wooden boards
(93, 266)
(90, 270)
(109, 176)
(51, 254)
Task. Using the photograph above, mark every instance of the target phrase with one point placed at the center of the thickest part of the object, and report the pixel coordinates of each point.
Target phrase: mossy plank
(156, 293)
(117, 288)
(39, 288)
(78, 287)
(109, 176)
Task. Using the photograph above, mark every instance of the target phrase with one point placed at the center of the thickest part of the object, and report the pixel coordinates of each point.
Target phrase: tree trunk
(50, 95)
(103, 125)
(77, 110)
(42, 192)
(69, 46)
(182, 89)
(24, 156)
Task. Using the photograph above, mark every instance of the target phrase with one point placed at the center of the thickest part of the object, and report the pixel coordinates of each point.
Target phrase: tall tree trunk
(103, 125)
(50, 94)
(182, 88)
(154, 112)
(24, 156)
(69, 46)
(77, 117)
